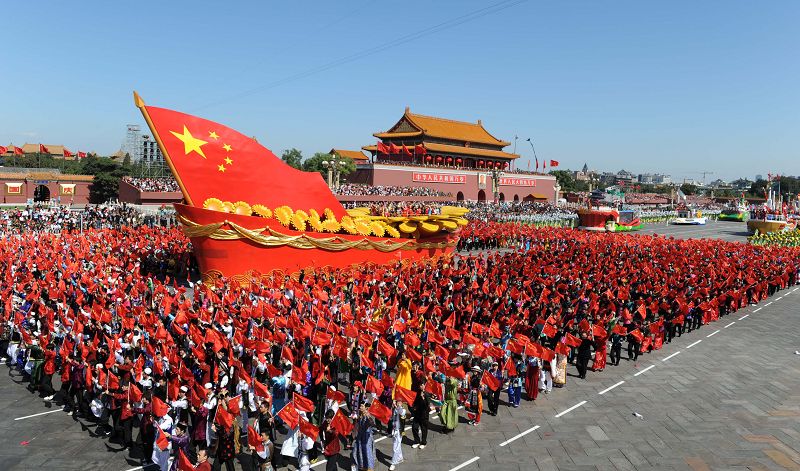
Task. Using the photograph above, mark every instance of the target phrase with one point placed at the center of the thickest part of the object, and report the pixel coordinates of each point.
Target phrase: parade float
(737, 211)
(771, 217)
(689, 217)
(249, 214)
(608, 219)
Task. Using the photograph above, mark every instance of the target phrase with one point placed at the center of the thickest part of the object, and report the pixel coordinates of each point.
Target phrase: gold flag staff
(140, 104)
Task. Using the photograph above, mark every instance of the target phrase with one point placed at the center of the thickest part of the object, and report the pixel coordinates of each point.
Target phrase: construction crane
(704, 173)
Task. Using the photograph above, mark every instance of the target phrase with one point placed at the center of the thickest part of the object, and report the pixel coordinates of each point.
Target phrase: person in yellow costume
(403, 378)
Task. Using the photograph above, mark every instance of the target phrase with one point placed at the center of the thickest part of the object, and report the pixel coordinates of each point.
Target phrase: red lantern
(497, 164)
(480, 163)
(458, 160)
(505, 165)
(438, 158)
(450, 159)
(428, 158)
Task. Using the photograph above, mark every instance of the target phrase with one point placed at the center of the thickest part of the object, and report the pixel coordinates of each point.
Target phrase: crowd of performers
(311, 367)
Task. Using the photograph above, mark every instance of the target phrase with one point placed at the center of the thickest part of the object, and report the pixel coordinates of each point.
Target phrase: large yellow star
(190, 143)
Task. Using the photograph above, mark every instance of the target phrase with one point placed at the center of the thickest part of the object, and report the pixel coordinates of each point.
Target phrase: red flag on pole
(302, 403)
(490, 381)
(289, 415)
(253, 439)
(160, 408)
(380, 412)
(162, 442)
(341, 424)
(43, 149)
(406, 395)
(554, 163)
(183, 462)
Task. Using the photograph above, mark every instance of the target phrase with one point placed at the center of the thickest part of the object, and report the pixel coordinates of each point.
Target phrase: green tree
(126, 161)
(565, 179)
(688, 189)
(293, 157)
(105, 186)
(314, 164)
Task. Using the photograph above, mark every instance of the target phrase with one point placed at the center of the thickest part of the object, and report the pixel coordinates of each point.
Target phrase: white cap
(184, 389)
(148, 371)
(208, 386)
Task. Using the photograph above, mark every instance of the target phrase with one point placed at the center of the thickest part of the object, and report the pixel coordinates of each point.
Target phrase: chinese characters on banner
(508, 181)
(438, 178)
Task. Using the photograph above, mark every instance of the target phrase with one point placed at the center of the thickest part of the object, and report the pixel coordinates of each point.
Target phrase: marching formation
(311, 367)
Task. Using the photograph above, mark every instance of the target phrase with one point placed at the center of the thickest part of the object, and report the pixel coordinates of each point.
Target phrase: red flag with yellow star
(210, 160)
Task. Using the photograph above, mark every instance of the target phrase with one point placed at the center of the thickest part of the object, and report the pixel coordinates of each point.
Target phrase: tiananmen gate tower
(450, 156)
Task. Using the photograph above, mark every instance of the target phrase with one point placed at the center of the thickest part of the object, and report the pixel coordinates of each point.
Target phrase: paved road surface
(725, 230)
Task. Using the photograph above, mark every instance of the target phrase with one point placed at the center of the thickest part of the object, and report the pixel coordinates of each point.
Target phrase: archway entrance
(516, 198)
(502, 197)
(460, 196)
(41, 193)
(482, 196)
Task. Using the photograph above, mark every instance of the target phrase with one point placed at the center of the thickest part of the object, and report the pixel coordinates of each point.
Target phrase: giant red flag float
(248, 213)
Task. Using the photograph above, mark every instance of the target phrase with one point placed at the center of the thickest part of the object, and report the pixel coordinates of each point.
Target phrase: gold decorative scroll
(268, 237)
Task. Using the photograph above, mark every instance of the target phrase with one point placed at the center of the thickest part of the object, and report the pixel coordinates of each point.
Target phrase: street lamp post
(496, 174)
(334, 166)
(557, 189)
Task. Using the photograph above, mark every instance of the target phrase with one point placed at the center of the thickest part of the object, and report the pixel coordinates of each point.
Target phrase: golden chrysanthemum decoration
(377, 228)
(213, 204)
(329, 214)
(242, 208)
(298, 222)
(331, 225)
(262, 210)
(284, 215)
(362, 227)
(227, 206)
(313, 214)
(315, 224)
(302, 214)
(392, 232)
(348, 225)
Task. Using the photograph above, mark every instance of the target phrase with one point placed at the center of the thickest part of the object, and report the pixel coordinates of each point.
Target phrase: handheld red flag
(253, 439)
(406, 395)
(309, 430)
(491, 381)
(380, 412)
(162, 442)
(183, 462)
(289, 415)
(160, 408)
(302, 403)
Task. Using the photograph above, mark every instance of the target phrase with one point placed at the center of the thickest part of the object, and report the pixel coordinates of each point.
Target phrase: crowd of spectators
(355, 189)
(55, 218)
(167, 184)
(398, 208)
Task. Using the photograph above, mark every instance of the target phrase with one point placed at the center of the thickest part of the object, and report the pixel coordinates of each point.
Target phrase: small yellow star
(213, 135)
(227, 147)
(221, 168)
(190, 143)
(228, 160)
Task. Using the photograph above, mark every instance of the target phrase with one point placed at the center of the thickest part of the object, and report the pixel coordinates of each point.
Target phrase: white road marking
(768, 303)
(646, 369)
(712, 333)
(609, 388)
(667, 358)
(37, 415)
(732, 322)
(758, 309)
(693, 344)
(795, 289)
(466, 463)
(519, 435)
(744, 316)
(135, 469)
(570, 409)
(778, 298)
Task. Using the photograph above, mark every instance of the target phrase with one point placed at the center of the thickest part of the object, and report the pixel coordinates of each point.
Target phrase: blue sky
(675, 87)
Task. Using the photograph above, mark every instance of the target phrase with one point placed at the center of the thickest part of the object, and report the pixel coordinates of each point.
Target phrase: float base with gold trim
(243, 247)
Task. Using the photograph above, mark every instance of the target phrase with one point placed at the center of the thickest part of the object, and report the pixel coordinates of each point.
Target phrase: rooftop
(412, 124)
